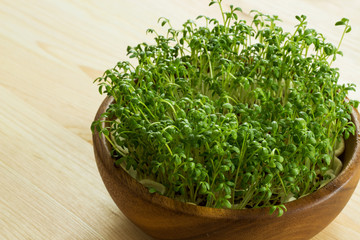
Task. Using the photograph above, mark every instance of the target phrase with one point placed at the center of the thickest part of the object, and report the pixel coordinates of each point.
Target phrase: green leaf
(224, 168)
(348, 29)
(236, 149)
(228, 106)
(279, 166)
(152, 190)
(272, 164)
(227, 203)
(327, 159)
(238, 9)
(340, 23)
(281, 212)
(294, 171)
(272, 209)
(268, 178)
(105, 131)
(212, 2)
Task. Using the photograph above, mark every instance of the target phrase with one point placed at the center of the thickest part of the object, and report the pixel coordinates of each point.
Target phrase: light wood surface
(50, 53)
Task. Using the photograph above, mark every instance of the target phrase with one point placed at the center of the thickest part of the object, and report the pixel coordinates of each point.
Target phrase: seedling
(228, 114)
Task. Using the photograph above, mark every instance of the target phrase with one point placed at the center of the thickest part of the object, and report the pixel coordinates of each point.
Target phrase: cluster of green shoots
(227, 114)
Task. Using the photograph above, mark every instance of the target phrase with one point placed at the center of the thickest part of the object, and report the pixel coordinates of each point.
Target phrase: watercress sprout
(229, 114)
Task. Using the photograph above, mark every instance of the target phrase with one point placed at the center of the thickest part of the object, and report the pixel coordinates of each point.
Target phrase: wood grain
(50, 53)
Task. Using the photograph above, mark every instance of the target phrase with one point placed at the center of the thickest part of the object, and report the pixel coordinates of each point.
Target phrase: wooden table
(50, 53)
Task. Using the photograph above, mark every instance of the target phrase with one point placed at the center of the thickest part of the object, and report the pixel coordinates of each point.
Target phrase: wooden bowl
(165, 218)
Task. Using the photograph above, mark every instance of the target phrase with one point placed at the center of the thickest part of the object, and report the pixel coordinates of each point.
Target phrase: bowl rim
(170, 204)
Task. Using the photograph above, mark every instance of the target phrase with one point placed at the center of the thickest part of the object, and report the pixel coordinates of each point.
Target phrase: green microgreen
(228, 114)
